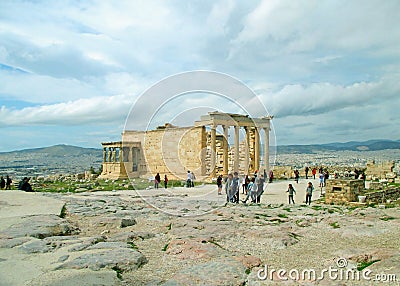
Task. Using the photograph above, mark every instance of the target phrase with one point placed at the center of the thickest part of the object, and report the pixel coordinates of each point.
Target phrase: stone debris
(40, 226)
(120, 259)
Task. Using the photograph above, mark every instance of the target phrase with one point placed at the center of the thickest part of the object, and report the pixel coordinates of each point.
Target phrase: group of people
(253, 188)
(309, 192)
(23, 185)
(157, 181)
(5, 183)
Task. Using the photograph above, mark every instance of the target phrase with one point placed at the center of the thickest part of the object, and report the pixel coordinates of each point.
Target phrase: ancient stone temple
(204, 149)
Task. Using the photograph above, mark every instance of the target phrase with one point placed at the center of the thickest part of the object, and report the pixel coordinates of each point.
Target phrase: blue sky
(70, 71)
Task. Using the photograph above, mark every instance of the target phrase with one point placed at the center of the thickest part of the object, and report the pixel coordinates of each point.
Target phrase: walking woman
(291, 192)
(309, 191)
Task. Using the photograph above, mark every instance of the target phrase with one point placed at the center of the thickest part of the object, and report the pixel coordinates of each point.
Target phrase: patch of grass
(248, 271)
(215, 243)
(169, 227)
(132, 245)
(118, 271)
(282, 215)
(317, 208)
(63, 212)
(165, 247)
(294, 235)
(387, 218)
(331, 211)
(365, 264)
(287, 209)
(334, 224)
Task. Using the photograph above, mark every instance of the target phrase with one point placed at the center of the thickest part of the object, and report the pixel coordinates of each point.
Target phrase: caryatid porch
(252, 150)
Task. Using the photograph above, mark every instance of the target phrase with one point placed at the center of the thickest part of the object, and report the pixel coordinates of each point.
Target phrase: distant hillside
(59, 151)
(371, 145)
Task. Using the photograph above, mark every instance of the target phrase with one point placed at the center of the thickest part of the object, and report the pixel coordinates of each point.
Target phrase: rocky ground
(189, 237)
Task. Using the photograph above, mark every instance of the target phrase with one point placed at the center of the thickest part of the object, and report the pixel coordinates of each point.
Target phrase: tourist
(321, 179)
(291, 192)
(251, 192)
(24, 185)
(235, 188)
(157, 180)
(314, 172)
(326, 177)
(228, 187)
(165, 181)
(189, 179)
(193, 177)
(244, 184)
(8, 183)
(2, 183)
(219, 184)
(309, 191)
(296, 176)
(306, 171)
(255, 174)
(260, 188)
(271, 176)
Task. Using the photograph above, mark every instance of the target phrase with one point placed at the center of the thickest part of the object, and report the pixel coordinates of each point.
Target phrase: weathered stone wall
(380, 170)
(343, 191)
(171, 151)
(382, 196)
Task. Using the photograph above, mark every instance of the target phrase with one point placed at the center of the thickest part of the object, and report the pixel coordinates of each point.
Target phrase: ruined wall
(380, 170)
(170, 151)
(343, 191)
(382, 196)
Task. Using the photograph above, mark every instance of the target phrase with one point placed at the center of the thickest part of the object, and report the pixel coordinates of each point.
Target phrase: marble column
(236, 160)
(266, 150)
(256, 149)
(109, 154)
(104, 155)
(213, 150)
(247, 150)
(225, 149)
(121, 154)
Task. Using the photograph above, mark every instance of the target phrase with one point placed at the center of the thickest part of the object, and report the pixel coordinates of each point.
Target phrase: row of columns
(110, 154)
(236, 148)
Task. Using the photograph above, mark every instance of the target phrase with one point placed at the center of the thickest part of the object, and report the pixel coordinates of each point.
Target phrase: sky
(71, 71)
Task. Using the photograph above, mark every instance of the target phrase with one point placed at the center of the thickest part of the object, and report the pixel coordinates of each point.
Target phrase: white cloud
(97, 110)
(306, 59)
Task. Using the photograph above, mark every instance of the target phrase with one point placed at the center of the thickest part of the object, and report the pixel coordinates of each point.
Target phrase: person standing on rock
(321, 179)
(219, 184)
(193, 178)
(189, 180)
(2, 183)
(260, 188)
(251, 191)
(165, 181)
(291, 192)
(296, 176)
(235, 188)
(306, 171)
(228, 187)
(8, 183)
(244, 184)
(157, 180)
(309, 191)
(271, 176)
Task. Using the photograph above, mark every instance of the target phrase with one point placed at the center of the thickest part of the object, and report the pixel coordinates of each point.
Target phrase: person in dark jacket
(2, 183)
(8, 183)
(24, 185)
